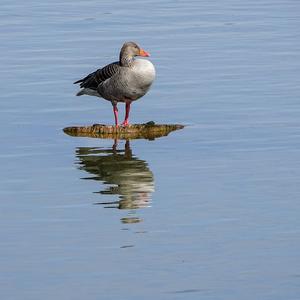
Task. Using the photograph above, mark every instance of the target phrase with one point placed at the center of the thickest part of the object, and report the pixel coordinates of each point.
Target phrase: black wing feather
(92, 80)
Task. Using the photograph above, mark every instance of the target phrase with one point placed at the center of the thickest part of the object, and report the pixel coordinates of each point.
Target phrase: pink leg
(125, 123)
(115, 109)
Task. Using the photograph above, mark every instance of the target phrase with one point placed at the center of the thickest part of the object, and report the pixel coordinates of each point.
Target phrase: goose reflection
(126, 176)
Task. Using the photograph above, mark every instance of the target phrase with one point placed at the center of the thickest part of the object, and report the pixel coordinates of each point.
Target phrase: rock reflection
(126, 176)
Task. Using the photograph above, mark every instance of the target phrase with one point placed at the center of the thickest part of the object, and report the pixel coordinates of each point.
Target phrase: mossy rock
(148, 130)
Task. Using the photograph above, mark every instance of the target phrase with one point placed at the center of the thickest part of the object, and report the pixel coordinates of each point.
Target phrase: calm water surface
(209, 212)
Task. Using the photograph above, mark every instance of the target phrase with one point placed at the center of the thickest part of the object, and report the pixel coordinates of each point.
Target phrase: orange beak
(144, 53)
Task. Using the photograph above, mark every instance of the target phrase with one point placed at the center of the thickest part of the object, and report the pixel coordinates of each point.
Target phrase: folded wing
(92, 80)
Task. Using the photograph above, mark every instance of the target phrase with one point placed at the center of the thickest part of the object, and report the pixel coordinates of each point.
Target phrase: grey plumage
(94, 79)
(123, 81)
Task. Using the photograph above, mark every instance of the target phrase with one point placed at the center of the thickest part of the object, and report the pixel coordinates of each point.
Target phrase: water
(214, 212)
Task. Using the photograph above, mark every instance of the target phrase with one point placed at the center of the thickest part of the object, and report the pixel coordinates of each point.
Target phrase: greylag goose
(123, 81)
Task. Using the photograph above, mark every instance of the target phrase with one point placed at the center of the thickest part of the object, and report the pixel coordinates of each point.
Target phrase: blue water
(208, 212)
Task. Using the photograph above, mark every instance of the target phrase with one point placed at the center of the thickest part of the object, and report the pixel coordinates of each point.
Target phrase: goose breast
(129, 83)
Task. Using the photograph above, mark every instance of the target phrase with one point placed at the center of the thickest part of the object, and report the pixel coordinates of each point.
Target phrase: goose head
(129, 50)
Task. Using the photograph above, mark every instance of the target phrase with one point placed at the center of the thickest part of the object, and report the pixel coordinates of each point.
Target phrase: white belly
(144, 70)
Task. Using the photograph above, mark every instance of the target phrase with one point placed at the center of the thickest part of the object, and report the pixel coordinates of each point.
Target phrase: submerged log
(148, 130)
